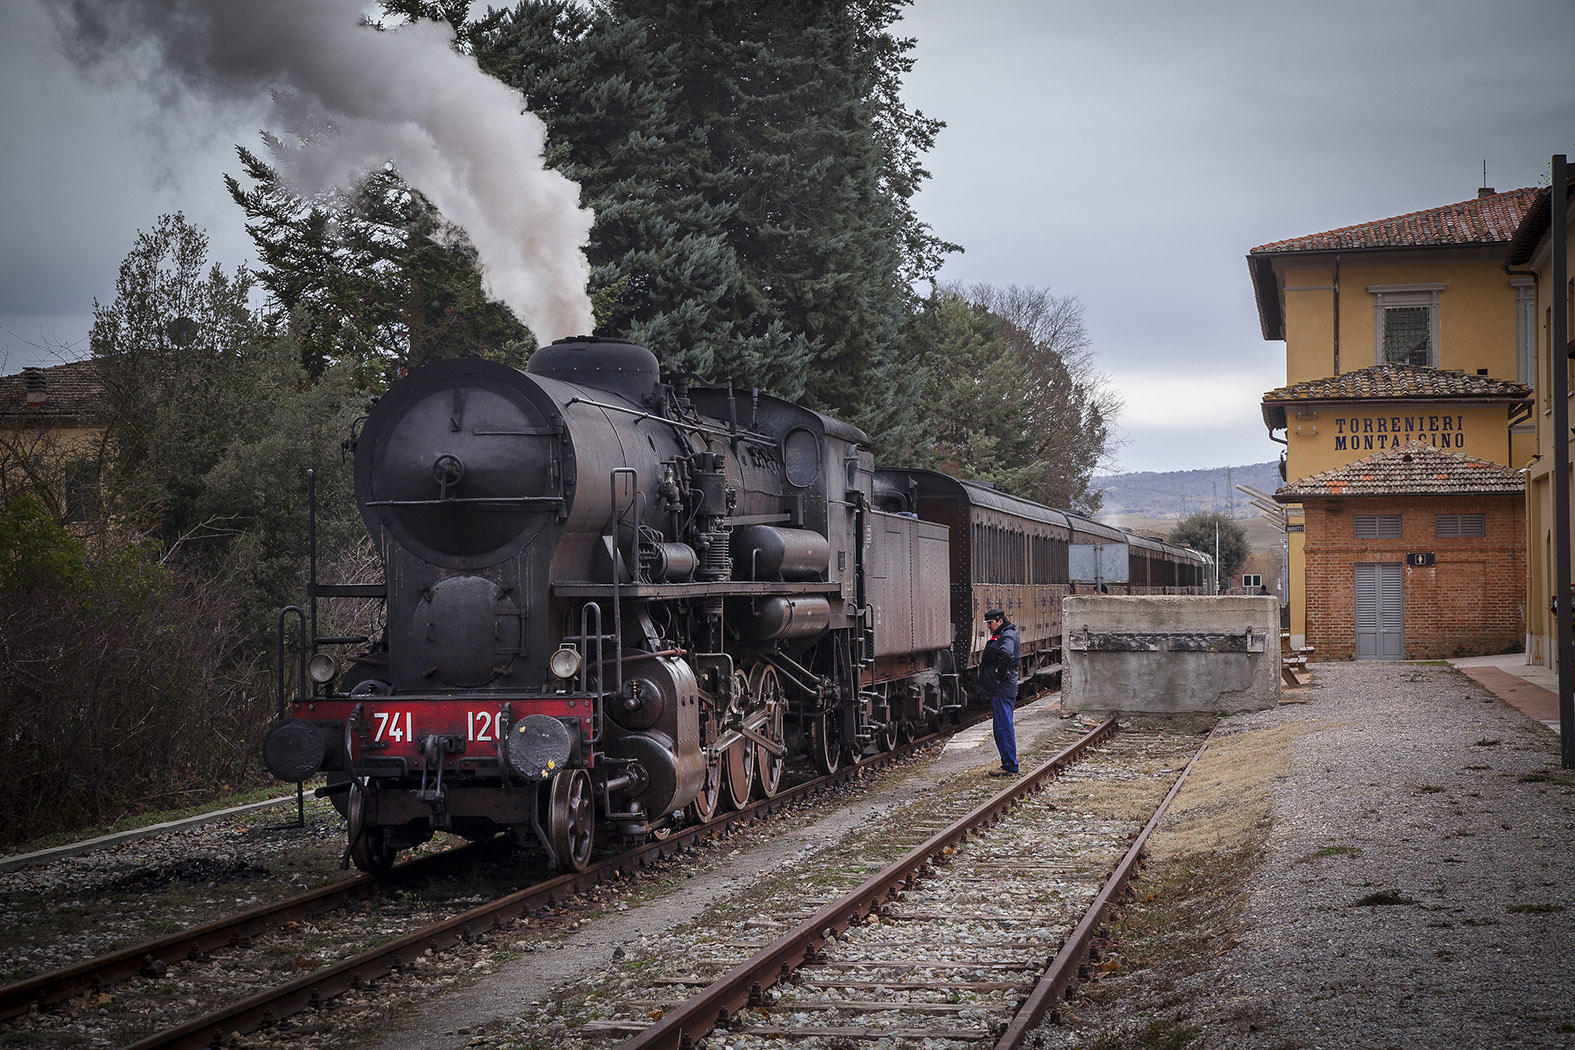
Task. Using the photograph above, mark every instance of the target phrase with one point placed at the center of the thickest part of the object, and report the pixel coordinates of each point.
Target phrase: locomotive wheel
(767, 689)
(826, 733)
(738, 765)
(708, 803)
(738, 762)
(369, 847)
(571, 820)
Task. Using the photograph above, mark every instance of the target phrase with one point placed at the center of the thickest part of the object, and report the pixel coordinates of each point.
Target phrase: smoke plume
(402, 96)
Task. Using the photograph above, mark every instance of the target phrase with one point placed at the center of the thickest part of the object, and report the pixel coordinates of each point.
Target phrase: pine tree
(750, 167)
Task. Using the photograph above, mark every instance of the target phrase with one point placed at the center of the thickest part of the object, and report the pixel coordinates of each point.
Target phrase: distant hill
(1177, 493)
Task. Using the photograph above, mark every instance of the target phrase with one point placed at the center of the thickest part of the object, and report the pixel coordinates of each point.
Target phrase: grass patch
(1535, 909)
(137, 821)
(1155, 1035)
(1559, 779)
(1383, 898)
(1489, 742)
(1334, 851)
(1428, 789)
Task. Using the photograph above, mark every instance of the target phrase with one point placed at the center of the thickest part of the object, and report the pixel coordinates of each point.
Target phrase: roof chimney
(35, 382)
(1485, 191)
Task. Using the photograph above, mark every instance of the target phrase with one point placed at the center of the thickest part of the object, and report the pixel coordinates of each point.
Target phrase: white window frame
(1406, 297)
(1525, 330)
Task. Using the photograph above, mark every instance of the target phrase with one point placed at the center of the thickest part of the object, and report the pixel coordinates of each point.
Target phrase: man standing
(998, 681)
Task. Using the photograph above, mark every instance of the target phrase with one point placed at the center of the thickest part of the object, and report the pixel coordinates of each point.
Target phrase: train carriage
(1007, 553)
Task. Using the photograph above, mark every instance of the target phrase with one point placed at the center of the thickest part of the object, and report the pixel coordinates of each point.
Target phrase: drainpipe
(1558, 353)
(1336, 313)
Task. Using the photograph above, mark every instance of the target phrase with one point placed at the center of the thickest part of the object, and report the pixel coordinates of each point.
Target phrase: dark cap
(995, 614)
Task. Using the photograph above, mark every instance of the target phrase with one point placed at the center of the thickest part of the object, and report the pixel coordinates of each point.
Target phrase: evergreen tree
(750, 168)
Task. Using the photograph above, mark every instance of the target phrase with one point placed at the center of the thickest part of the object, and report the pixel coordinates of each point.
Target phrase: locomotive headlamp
(322, 668)
(565, 663)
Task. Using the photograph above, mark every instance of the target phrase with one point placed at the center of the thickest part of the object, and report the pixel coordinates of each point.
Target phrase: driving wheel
(826, 733)
(571, 820)
(738, 764)
(708, 803)
(767, 690)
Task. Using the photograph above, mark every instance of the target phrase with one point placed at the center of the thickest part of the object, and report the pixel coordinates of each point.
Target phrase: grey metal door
(1379, 635)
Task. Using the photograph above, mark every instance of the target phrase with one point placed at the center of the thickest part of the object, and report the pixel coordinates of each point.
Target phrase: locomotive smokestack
(404, 96)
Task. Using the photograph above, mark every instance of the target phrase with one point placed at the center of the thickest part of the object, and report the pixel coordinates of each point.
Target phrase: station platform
(1531, 688)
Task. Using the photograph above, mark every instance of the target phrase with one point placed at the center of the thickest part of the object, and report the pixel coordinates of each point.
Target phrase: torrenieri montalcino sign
(1372, 433)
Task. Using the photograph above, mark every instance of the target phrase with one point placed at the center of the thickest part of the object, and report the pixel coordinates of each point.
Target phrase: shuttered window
(1377, 526)
(1452, 525)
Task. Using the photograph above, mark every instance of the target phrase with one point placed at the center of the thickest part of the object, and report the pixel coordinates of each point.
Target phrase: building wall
(1541, 644)
(1321, 437)
(1470, 602)
(1476, 330)
(1476, 310)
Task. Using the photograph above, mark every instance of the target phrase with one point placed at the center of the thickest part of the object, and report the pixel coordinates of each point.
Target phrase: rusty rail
(680, 1027)
(1063, 968)
(319, 987)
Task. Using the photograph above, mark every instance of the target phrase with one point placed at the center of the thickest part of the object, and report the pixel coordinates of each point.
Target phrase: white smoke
(402, 96)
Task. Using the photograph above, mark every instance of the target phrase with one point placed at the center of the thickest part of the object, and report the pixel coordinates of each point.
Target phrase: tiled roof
(1481, 220)
(62, 393)
(1416, 469)
(1399, 381)
(1534, 227)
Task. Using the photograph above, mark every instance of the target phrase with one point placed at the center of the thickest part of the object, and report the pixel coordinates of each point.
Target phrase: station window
(1377, 526)
(1453, 525)
(1405, 323)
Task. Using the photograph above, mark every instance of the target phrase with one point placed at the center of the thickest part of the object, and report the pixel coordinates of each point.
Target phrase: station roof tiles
(1392, 382)
(1489, 219)
(1414, 469)
(1534, 227)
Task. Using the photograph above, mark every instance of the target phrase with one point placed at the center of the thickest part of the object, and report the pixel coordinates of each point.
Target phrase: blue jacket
(998, 668)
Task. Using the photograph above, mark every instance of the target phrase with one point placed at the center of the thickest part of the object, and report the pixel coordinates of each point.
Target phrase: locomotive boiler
(614, 599)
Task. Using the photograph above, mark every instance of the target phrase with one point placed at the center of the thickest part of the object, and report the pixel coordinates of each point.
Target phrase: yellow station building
(1400, 330)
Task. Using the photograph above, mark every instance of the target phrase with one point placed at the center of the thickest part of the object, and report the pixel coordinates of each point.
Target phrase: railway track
(968, 937)
(93, 1003)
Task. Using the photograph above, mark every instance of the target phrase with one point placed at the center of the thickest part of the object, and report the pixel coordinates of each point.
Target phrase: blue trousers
(1005, 732)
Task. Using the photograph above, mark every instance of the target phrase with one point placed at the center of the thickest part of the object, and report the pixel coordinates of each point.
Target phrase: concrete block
(1170, 654)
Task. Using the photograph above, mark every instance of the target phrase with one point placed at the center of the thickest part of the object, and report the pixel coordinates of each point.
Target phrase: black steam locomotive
(619, 598)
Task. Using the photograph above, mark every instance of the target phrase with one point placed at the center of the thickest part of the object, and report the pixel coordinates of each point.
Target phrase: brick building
(1413, 553)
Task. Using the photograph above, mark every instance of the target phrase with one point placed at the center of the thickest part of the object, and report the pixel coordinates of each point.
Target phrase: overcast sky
(1128, 152)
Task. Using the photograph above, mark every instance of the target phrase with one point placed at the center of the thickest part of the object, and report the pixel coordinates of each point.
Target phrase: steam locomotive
(617, 598)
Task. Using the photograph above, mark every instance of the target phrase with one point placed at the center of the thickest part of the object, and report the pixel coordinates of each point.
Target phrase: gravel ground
(1386, 865)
